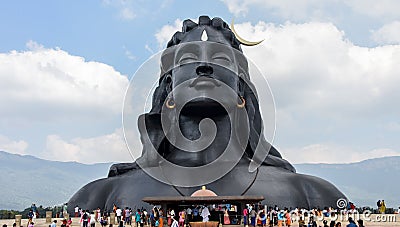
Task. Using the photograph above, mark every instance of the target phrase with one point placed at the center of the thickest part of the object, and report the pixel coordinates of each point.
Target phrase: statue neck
(189, 126)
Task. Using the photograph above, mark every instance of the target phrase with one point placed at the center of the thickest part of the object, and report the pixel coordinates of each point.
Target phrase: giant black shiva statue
(202, 64)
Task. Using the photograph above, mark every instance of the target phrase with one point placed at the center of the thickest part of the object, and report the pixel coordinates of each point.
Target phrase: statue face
(202, 67)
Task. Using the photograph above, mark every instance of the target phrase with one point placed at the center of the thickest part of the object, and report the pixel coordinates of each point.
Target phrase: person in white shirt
(76, 211)
(189, 214)
(92, 220)
(119, 214)
(205, 213)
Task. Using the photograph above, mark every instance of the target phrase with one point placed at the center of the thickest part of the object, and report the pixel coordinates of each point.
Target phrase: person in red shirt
(245, 215)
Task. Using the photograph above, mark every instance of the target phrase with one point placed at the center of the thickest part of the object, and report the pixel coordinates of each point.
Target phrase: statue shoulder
(121, 168)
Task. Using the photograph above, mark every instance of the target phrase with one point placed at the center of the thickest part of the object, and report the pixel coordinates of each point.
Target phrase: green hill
(26, 179)
(364, 182)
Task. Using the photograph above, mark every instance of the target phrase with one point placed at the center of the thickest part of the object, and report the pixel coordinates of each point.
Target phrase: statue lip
(206, 81)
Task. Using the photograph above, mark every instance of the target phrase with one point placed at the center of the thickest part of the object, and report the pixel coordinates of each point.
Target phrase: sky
(333, 67)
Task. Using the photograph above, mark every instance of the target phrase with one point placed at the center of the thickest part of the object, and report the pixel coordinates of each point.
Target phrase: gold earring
(169, 105)
(241, 105)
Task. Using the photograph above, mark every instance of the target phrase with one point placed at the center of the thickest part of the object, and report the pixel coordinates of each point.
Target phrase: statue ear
(240, 85)
(168, 83)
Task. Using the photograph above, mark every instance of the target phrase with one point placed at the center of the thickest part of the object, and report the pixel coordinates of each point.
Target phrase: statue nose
(204, 70)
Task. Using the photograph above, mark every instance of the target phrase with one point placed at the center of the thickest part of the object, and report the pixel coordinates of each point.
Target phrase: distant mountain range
(26, 179)
(364, 182)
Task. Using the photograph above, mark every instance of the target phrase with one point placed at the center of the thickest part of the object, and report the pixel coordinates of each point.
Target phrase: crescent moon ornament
(241, 40)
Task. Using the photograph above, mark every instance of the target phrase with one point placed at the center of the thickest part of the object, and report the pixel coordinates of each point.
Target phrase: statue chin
(204, 107)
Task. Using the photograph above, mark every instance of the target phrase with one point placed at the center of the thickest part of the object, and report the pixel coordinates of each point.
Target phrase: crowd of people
(124, 216)
(251, 215)
(254, 215)
(261, 216)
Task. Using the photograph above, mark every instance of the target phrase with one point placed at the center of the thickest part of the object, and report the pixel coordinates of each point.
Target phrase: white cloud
(147, 47)
(392, 126)
(377, 9)
(314, 9)
(284, 8)
(388, 34)
(50, 83)
(15, 147)
(127, 13)
(129, 55)
(51, 92)
(237, 7)
(105, 148)
(312, 67)
(165, 33)
(32, 45)
(329, 153)
(124, 7)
